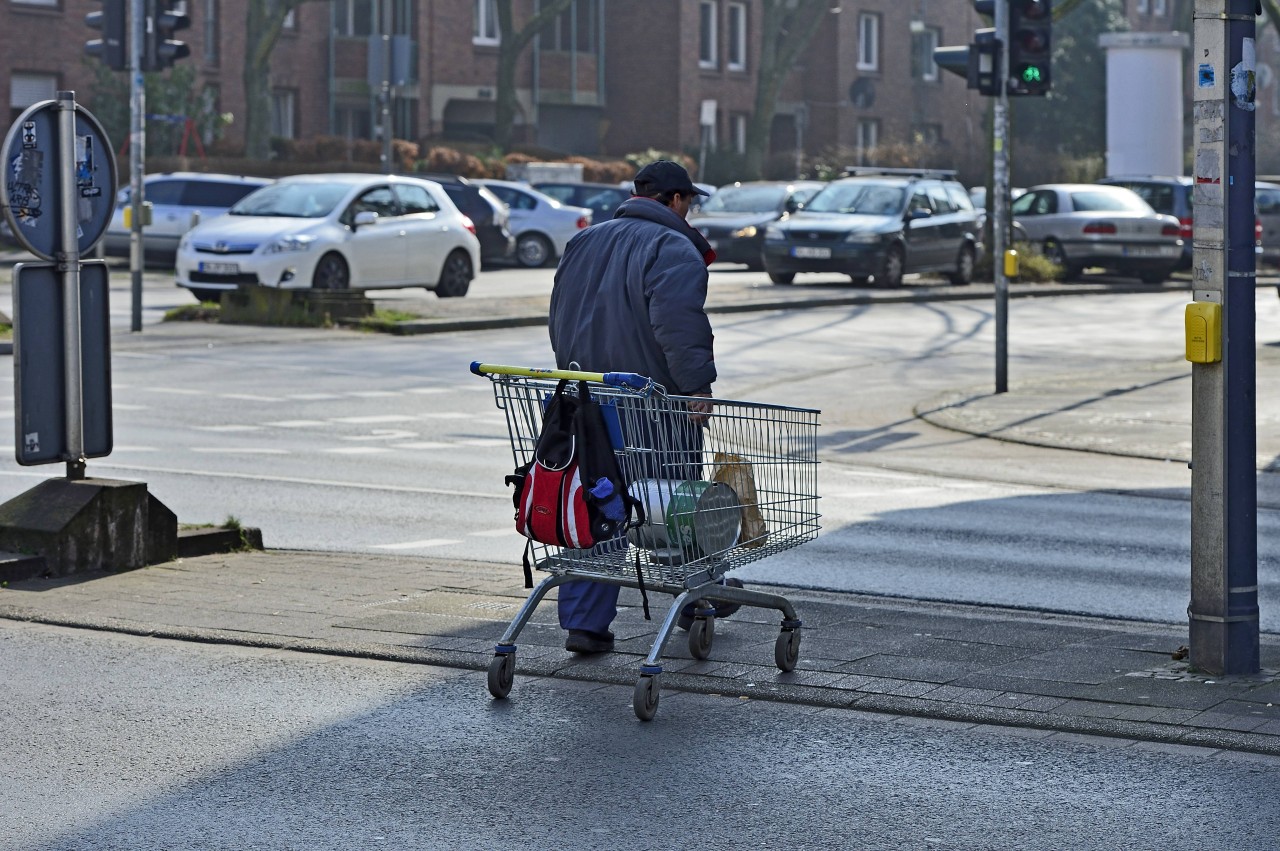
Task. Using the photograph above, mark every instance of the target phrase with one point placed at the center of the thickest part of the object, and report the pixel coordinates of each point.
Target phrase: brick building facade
(607, 78)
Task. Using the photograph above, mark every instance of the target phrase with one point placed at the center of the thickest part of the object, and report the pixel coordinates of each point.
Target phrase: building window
(486, 22)
(738, 128)
(1160, 8)
(35, 2)
(923, 44)
(283, 102)
(290, 21)
(353, 17)
(26, 89)
(210, 32)
(868, 135)
(737, 37)
(707, 54)
(574, 29)
(868, 42)
(1144, 6)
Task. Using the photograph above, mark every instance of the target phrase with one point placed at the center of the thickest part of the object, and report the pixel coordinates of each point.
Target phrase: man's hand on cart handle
(699, 410)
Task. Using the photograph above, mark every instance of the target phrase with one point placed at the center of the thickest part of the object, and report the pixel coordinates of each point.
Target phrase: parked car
(602, 199)
(878, 224)
(734, 218)
(978, 196)
(542, 224)
(487, 213)
(179, 201)
(334, 231)
(1079, 225)
(1167, 194)
(1267, 200)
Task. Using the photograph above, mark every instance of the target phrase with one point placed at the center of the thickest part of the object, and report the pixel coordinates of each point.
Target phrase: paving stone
(1040, 703)
(903, 667)
(1223, 721)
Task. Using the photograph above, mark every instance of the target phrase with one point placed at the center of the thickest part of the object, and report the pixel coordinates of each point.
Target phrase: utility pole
(999, 205)
(385, 92)
(137, 157)
(1223, 612)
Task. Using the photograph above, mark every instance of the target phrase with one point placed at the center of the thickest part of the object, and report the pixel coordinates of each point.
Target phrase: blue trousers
(587, 605)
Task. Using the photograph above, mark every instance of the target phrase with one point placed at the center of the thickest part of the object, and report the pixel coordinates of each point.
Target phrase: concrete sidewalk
(967, 664)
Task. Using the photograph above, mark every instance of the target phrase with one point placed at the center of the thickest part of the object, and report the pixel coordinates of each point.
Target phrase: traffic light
(979, 63)
(1030, 46)
(112, 22)
(163, 19)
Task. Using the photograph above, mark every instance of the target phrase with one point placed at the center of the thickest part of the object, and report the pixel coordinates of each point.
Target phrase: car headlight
(297, 242)
(744, 233)
(774, 233)
(863, 238)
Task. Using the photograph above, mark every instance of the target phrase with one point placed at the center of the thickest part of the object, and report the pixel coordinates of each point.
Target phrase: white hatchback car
(542, 224)
(334, 231)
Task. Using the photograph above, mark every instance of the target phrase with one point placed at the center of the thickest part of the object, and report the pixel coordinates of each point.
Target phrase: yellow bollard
(1011, 263)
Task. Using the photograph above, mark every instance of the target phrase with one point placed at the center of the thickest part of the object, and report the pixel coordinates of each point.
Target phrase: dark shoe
(723, 610)
(581, 641)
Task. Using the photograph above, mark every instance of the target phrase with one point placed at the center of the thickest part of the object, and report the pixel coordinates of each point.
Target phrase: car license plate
(811, 253)
(1149, 251)
(220, 268)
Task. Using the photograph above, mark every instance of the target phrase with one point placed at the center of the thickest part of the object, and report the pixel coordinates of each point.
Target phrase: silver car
(1084, 225)
(179, 201)
(542, 224)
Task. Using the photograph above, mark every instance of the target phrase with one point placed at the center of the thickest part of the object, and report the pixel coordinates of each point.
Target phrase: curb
(774, 692)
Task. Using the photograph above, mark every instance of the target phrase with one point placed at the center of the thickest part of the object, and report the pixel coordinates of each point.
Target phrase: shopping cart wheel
(786, 651)
(502, 672)
(701, 633)
(645, 700)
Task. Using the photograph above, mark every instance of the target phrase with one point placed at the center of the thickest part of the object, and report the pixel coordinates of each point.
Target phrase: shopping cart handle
(613, 379)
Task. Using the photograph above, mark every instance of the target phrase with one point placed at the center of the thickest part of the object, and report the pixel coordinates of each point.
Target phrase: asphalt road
(146, 744)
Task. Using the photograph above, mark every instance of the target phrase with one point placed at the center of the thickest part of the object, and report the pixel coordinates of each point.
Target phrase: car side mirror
(792, 205)
(365, 217)
(918, 213)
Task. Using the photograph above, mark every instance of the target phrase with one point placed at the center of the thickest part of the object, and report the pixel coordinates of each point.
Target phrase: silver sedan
(1085, 225)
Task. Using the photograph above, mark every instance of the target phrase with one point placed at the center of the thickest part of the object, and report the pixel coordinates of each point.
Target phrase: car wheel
(214, 296)
(964, 267)
(1054, 252)
(455, 277)
(755, 267)
(533, 250)
(782, 277)
(890, 274)
(331, 273)
(1153, 277)
(859, 280)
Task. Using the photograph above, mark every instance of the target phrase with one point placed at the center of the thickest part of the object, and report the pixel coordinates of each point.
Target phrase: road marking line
(384, 418)
(290, 480)
(313, 397)
(228, 428)
(248, 397)
(483, 441)
(446, 415)
(372, 394)
(422, 444)
(228, 450)
(426, 390)
(121, 406)
(382, 434)
(176, 391)
(415, 545)
(495, 533)
(297, 423)
(356, 450)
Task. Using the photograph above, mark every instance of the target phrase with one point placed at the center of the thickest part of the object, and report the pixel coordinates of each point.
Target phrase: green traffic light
(1031, 74)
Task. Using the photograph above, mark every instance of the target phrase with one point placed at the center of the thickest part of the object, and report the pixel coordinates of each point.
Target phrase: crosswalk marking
(416, 545)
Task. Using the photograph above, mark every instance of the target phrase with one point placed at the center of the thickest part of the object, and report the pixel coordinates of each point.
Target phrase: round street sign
(29, 192)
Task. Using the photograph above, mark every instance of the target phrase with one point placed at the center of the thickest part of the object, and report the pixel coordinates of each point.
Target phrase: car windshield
(875, 199)
(745, 199)
(305, 200)
(1101, 201)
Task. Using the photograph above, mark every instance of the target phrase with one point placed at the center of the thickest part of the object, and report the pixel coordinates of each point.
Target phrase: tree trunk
(784, 35)
(511, 44)
(262, 29)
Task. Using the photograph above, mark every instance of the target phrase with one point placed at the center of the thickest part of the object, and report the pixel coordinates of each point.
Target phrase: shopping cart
(719, 491)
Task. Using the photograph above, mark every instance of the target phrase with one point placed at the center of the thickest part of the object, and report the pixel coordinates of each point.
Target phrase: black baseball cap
(665, 176)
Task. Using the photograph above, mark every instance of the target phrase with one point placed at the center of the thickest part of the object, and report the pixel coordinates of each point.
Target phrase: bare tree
(511, 43)
(786, 28)
(262, 29)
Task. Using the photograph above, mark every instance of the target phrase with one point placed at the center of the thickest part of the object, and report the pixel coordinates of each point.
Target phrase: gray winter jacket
(629, 296)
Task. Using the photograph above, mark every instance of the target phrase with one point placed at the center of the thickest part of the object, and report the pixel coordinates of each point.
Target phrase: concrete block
(78, 525)
(249, 305)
